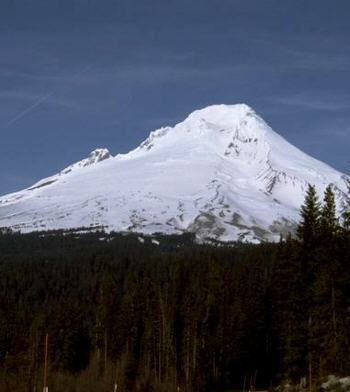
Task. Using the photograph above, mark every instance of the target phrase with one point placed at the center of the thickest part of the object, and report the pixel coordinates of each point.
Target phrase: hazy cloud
(31, 97)
(314, 101)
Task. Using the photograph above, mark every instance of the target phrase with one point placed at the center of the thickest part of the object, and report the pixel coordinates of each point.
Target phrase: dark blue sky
(80, 74)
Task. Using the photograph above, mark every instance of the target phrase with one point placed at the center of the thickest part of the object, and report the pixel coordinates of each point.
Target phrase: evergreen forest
(125, 313)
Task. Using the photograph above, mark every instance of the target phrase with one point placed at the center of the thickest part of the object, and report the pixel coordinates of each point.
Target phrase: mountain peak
(225, 116)
(239, 120)
(95, 156)
(221, 173)
(98, 155)
(216, 127)
(222, 112)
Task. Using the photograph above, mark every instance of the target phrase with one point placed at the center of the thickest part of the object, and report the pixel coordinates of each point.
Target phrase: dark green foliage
(310, 217)
(144, 315)
(346, 214)
(328, 222)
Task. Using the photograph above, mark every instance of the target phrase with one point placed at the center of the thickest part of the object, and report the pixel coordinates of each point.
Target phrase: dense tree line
(174, 315)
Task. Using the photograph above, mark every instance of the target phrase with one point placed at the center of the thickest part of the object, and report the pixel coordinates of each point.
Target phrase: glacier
(222, 174)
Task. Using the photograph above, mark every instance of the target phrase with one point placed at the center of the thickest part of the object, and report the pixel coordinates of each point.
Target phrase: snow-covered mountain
(221, 173)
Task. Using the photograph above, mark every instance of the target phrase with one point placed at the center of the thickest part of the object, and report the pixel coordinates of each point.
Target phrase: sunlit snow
(222, 173)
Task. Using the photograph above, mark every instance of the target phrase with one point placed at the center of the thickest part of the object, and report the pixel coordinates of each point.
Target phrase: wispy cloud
(32, 97)
(339, 129)
(313, 101)
(313, 52)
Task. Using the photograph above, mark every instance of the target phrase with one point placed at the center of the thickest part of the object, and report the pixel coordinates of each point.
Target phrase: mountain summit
(222, 173)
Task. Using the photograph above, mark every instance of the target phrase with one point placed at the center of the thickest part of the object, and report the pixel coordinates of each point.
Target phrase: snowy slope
(221, 173)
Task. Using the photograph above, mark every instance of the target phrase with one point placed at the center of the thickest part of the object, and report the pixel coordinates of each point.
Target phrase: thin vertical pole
(254, 382)
(105, 353)
(45, 365)
(310, 375)
(310, 355)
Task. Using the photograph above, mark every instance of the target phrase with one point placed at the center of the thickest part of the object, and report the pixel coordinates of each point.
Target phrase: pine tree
(346, 214)
(309, 236)
(326, 293)
(328, 221)
(310, 217)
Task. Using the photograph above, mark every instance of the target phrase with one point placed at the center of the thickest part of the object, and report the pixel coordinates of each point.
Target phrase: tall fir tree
(346, 213)
(310, 217)
(328, 221)
(309, 235)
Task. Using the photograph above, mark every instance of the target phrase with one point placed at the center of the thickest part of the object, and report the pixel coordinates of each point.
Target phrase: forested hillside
(167, 314)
